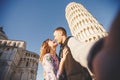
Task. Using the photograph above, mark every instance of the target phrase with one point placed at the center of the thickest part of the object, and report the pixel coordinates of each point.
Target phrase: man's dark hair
(61, 29)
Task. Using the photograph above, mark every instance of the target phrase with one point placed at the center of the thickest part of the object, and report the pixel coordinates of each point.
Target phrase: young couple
(63, 67)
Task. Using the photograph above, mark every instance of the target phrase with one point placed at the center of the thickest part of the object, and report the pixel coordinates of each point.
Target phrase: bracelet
(58, 73)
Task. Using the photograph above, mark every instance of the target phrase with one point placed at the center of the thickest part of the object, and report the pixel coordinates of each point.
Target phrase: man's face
(58, 36)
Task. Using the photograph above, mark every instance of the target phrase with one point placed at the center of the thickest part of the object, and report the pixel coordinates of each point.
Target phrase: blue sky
(34, 20)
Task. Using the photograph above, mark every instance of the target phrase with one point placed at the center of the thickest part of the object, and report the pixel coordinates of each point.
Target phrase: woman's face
(52, 43)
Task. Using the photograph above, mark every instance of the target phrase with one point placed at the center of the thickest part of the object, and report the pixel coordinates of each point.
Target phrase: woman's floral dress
(50, 65)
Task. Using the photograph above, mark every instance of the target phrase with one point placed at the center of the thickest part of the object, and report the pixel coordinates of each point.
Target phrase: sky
(33, 21)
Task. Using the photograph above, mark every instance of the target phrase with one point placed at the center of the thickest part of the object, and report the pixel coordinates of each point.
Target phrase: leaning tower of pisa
(85, 28)
(82, 24)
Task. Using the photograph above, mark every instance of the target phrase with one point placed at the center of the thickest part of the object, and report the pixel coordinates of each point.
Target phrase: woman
(49, 59)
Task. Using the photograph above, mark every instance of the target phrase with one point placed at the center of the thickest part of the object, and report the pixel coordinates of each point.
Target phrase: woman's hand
(65, 52)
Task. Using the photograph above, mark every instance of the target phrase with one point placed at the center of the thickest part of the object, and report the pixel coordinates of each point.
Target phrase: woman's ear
(61, 33)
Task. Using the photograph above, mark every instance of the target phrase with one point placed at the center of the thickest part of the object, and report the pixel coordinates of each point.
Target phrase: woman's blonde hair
(45, 48)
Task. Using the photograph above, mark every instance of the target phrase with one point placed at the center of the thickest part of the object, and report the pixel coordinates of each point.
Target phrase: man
(72, 70)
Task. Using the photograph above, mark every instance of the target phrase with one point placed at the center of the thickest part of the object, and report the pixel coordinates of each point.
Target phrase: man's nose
(55, 41)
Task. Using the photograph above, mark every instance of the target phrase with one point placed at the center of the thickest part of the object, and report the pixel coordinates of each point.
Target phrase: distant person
(72, 70)
(49, 60)
(94, 51)
(106, 62)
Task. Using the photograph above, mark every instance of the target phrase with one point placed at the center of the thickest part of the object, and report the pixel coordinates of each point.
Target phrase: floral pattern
(50, 65)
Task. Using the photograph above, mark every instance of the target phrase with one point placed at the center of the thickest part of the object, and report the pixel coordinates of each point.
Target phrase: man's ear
(60, 33)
